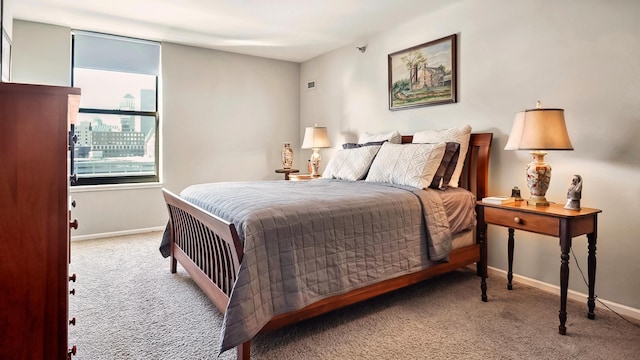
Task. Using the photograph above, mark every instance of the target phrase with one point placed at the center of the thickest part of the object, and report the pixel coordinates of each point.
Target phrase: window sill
(115, 187)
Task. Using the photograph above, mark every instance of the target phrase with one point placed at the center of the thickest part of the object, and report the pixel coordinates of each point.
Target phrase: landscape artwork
(423, 75)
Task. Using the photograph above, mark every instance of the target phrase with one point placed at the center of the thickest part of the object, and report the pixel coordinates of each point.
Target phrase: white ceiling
(292, 30)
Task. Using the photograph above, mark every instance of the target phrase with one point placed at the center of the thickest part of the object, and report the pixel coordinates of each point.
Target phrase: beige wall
(41, 54)
(578, 55)
(224, 117)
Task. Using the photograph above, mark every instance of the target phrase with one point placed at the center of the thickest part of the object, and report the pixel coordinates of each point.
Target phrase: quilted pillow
(408, 164)
(446, 167)
(461, 135)
(392, 137)
(350, 164)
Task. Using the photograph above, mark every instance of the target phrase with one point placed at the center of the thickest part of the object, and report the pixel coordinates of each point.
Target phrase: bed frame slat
(207, 246)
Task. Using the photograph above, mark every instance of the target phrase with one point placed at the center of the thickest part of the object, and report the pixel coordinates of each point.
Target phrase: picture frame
(423, 75)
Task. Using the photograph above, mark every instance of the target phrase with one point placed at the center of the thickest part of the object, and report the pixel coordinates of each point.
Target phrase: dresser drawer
(537, 223)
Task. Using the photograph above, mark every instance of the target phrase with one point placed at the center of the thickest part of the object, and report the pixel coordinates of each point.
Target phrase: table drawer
(540, 224)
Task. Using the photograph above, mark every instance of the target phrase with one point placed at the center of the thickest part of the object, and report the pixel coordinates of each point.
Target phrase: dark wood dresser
(35, 220)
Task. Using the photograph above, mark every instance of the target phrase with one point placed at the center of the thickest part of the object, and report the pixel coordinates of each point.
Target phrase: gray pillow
(447, 166)
(370, 143)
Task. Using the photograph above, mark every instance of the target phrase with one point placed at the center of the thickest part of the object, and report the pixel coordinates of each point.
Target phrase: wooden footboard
(210, 250)
(207, 246)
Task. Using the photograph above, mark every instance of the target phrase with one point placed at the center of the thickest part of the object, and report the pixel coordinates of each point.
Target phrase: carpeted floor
(129, 306)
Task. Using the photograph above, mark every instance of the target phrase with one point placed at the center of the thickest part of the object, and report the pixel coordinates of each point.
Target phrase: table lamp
(315, 138)
(539, 130)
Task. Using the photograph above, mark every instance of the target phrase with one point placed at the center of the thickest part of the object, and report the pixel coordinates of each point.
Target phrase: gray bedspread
(305, 241)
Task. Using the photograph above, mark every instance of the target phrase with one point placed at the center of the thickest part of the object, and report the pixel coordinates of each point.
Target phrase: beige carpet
(129, 306)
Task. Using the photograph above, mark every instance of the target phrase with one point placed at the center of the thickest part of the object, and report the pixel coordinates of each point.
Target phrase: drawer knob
(72, 292)
(74, 224)
(72, 322)
(72, 351)
(72, 278)
(517, 220)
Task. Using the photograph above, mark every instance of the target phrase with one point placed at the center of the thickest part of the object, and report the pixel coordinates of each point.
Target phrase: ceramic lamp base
(537, 201)
(538, 179)
(315, 162)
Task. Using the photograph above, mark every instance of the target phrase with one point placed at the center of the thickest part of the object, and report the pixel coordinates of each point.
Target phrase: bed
(269, 254)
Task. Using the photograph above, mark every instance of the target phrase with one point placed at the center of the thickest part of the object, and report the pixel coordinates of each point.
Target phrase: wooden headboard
(475, 174)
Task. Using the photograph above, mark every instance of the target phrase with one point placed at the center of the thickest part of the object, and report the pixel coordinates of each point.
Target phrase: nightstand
(303, 177)
(286, 172)
(552, 220)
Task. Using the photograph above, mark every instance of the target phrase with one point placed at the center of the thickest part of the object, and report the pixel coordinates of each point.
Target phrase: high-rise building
(147, 103)
(128, 122)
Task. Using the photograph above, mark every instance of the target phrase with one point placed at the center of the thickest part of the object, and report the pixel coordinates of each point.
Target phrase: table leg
(565, 247)
(482, 240)
(510, 257)
(592, 275)
(244, 351)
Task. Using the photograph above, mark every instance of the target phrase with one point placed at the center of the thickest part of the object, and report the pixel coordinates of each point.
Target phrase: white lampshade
(539, 129)
(315, 137)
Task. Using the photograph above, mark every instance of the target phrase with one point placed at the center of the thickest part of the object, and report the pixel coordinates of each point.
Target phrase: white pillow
(408, 164)
(392, 137)
(461, 135)
(350, 164)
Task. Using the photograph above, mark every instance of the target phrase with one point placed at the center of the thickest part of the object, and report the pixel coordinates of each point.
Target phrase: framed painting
(423, 75)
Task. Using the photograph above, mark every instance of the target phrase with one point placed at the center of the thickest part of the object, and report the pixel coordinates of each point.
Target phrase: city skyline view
(115, 144)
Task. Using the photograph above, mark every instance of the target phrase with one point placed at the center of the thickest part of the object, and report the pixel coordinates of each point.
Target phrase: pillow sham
(408, 164)
(354, 145)
(447, 166)
(461, 135)
(350, 164)
(392, 137)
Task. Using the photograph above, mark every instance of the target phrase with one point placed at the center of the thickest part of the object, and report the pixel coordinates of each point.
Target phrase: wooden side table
(303, 177)
(552, 220)
(286, 172)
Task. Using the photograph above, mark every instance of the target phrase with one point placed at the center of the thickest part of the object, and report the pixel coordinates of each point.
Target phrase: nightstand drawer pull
(517, 220)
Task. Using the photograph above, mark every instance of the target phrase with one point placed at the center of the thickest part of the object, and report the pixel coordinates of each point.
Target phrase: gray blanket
(305, 241)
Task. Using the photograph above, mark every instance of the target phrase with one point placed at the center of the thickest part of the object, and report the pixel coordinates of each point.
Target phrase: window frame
(123, 179)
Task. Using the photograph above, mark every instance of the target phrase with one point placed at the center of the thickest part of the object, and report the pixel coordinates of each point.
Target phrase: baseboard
(116, 233)
(619, 308)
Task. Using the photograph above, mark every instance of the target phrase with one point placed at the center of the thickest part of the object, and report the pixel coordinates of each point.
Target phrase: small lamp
(315, 138)
(539, 130)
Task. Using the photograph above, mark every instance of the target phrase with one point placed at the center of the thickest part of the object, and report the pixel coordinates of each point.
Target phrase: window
(117, 127)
